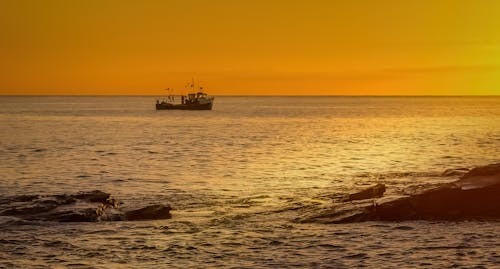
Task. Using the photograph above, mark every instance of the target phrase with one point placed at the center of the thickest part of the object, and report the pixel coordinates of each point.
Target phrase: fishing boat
(197, 100)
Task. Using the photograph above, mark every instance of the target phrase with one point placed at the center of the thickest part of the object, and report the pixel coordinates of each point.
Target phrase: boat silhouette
(193, 101)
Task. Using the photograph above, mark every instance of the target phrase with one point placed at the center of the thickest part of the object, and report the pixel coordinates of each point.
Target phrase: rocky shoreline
(89, 206)
(475, 195)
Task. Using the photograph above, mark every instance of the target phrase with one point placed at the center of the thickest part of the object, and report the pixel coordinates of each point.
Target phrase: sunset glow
(250, 47)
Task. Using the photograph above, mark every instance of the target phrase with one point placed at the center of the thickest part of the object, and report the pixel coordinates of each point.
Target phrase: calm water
(239, 175)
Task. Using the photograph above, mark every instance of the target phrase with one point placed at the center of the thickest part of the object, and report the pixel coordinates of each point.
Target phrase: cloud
(444, 69)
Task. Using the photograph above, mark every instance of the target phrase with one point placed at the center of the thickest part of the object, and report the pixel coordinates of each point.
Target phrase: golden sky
(244, 47)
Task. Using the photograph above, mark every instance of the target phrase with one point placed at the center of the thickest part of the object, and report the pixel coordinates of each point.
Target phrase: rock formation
(149, 213)
(80, 207)
(372, 192)
(476, 195)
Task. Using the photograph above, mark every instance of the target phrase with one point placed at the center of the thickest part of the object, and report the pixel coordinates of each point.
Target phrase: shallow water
(239, 175)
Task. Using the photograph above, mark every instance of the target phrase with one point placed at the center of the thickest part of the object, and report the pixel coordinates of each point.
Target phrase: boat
(193, 101)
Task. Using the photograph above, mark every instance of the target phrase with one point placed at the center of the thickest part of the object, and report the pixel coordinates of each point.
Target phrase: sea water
(238, 177)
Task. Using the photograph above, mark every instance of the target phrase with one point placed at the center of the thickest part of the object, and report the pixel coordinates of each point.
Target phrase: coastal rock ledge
(475, 195)
(80, 207)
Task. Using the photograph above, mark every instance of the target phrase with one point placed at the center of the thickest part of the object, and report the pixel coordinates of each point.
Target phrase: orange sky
(250, 47)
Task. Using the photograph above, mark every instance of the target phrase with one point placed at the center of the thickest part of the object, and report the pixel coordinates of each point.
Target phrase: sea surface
(239, 176)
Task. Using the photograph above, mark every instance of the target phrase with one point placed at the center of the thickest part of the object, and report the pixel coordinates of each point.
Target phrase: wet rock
(80, 207)
(480, 177)
(83, 215)
(31, 208)
(149, 213)
(376, 191)
(444, 203)
(485, 171)
(476, 195)
(92, 196)
(35, 205)
(20, 198)
(338, 213)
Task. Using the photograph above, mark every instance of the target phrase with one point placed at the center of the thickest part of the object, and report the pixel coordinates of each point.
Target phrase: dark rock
(31, 208)
(444, 203)
(83, 215)
(372, 192)
(24, 198)
(339, 213)
(480, 177)
(151, 212)
(81, 207)
(476, 195)
(92, 196)
(35, 205)
(18, 198)
(483, 171)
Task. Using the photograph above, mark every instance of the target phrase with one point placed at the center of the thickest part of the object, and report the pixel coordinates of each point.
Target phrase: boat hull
(167, 106)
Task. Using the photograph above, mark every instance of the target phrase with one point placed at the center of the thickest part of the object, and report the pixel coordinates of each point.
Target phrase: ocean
(239, 176)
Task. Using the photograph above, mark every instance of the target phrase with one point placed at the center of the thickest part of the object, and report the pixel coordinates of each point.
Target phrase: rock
(485, 171)
(30, 208)
(92, 196)
(372, 192)
(476, 195)
(36, 205)
(444, 203)
(151, 212)
(19, 198)
(480, 177)
(338, 213)
(80, 207)
(83, 215)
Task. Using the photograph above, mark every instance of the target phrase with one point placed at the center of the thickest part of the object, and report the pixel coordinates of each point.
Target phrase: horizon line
(255, 95)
